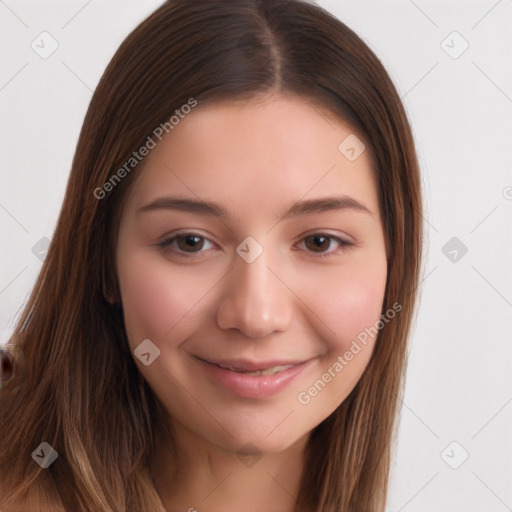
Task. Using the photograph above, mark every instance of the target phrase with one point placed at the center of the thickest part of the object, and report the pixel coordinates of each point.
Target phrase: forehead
(256, 154)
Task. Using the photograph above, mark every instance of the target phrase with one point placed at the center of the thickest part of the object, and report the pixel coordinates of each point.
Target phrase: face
(269, 275)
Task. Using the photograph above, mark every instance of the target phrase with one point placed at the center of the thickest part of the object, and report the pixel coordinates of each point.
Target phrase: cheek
(349, 308)
(156, 298)
(348, 301)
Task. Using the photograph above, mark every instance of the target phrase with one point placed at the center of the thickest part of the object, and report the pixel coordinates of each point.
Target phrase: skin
(256, 158)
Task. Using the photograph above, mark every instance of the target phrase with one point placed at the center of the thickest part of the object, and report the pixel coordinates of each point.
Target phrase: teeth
(268, 371)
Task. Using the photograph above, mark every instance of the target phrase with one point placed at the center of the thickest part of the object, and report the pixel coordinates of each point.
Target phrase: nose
(255, 300)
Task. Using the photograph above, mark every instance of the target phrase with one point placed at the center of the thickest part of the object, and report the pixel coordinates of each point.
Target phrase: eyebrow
(298, 209)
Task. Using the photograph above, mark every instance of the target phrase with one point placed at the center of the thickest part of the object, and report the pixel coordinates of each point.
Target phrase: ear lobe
(7, 366)
(111, 298)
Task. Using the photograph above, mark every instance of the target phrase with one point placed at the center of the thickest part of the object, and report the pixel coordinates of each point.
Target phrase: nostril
(7, 366)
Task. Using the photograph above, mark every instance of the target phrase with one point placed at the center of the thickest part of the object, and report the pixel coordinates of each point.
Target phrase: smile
(253, 379)
(268, 371)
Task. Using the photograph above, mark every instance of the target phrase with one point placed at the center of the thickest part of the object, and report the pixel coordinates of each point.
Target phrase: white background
(459, 385)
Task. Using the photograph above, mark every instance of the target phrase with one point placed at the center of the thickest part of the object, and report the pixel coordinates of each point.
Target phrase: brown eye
(319, 243)
(186, 243)
(189, 243)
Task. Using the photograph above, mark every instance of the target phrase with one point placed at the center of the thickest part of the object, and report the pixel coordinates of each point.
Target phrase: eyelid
(343, 237)
(344, 243)
(171, 237)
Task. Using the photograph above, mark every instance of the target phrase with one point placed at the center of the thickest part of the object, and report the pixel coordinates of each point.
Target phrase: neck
(198, 476)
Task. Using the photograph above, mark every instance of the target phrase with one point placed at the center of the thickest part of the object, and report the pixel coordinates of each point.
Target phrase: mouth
(269, 371)
(252, 379)
(255, 368)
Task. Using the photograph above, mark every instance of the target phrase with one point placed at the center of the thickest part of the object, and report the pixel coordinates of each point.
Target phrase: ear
(109, 297)
(7, 366)
(112, 297)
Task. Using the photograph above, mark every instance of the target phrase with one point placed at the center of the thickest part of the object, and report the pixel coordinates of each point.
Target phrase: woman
(189, 344)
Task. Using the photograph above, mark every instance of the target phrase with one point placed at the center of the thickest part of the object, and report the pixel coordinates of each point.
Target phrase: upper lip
(251, 366)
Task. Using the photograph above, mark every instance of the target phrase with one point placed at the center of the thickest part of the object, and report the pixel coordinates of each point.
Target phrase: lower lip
(254, 386)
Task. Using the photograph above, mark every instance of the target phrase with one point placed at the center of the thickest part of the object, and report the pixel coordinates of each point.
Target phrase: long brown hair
(76, 386)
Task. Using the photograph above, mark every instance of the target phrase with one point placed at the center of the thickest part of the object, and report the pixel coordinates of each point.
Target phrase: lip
(251, 366)
(253, 386)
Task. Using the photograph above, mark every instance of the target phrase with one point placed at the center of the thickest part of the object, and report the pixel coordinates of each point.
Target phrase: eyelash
(344, 244)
